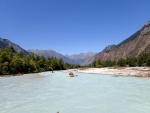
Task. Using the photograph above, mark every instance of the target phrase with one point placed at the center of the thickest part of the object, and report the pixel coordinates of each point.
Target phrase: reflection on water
(88, 93)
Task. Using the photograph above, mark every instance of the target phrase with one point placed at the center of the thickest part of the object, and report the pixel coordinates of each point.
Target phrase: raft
(70, 74)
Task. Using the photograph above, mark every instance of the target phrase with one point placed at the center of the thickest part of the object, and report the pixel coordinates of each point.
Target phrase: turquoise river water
(88, 93)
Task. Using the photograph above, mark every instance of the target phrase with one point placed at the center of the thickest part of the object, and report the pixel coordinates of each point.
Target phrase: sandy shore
(34, 75)
(121, 71)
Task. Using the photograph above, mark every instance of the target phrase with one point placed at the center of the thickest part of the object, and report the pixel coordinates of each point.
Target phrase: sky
(71, 26)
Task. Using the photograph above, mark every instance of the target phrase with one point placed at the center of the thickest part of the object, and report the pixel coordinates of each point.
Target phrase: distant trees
(99, 63)
(14, 63)
(142, 60)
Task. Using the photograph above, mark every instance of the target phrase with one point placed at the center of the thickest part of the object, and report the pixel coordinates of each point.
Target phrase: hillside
(4, 43)
(135, 45)
(88, 61)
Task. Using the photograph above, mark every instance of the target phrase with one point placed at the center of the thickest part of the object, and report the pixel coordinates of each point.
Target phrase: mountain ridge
(51, 53)
(72, 59)
(135, 45)
(6, 42)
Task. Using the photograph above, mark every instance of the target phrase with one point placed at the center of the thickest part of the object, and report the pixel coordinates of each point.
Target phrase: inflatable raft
(70, 74)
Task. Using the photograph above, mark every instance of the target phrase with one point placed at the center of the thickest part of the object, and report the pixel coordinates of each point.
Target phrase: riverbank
(118, 71)
(19, 74)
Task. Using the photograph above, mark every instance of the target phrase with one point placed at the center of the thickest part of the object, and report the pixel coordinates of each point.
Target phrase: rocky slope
(135, 45)
(4, 43)
(88, 61)
(109, 48)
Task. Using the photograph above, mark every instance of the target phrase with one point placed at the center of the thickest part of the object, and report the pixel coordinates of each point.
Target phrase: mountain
(83, 58)
(4, 43)
(72, 59)
(51, 53)
(88, 61)
(109, 48)
(135, 45)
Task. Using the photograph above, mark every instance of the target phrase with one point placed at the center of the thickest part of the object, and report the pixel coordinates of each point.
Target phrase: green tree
(98, 63)
(140, 61)
(148, 61)
(6, 55)
(93, 63)
(121, 62)
(61, 64)
(132, 62)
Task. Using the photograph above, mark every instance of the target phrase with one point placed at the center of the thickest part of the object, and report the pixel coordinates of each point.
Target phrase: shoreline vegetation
(117, 71)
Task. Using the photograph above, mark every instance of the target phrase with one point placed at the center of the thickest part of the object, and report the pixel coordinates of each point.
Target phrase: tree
(98, 63)
(93, 63)
(140, 61)
(6, 55)
(148, 61)
(121, 62)
(132, 62)
(61, 64)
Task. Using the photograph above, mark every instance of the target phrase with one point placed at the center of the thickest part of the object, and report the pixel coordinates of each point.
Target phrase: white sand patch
(120, 71)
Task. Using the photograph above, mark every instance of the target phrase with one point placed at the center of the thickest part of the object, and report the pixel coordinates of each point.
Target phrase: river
(48, 92)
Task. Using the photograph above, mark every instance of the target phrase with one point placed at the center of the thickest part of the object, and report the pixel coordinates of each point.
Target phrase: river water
(88, 93)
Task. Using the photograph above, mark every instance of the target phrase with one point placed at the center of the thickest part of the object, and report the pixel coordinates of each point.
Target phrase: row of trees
(14, 63)
(142, 60)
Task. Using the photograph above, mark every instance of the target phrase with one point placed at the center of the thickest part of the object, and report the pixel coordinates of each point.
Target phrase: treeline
(142, 60)
(12, 63)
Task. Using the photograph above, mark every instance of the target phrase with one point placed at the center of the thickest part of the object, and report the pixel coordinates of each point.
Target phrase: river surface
(88, 93)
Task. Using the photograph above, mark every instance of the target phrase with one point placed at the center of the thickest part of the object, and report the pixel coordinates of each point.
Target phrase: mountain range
(135, 45)
(72, 59)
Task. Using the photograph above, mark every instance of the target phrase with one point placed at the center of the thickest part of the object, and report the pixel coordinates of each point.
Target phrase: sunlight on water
(88, 93)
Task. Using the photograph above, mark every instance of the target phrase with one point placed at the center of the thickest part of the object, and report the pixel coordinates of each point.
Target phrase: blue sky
(71, 26)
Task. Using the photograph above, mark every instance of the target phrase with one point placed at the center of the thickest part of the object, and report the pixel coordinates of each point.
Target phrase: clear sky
(71, 26)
